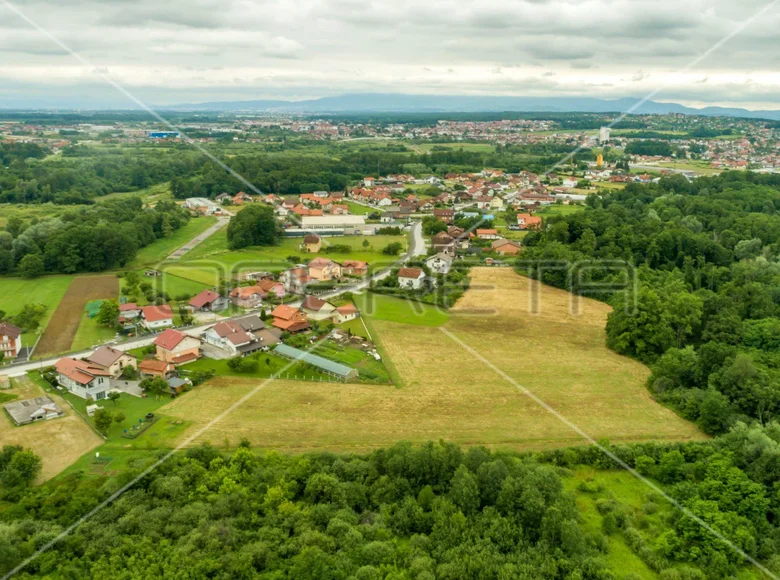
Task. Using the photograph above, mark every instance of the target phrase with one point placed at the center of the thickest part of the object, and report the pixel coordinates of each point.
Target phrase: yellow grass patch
(449, 394)
(58, 442)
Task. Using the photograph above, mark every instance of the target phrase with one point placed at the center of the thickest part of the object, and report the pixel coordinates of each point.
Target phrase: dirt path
(66, 319)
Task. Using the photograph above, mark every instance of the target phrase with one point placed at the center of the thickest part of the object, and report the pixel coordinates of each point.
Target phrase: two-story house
(112, 360)
(10, 340)
(176, 347)
(323, 269)
(83, 379)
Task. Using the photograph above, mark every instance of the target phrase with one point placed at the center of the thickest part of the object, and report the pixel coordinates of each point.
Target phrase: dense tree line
(705, 310)
(86, 238)
(423, 513)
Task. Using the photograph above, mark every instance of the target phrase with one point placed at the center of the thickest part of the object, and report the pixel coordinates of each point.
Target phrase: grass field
(359, 208)
(448, 393)
(59, 442)
(151, 194)
(211, 260)
(91, 333)
(269, 364)
(382, 307)
(16, 292)
(159, 250)
(65, 321)
(28, 211)
(700, 167)
(561, 209)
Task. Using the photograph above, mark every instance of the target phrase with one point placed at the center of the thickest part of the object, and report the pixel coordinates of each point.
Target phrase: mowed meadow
(446, 392)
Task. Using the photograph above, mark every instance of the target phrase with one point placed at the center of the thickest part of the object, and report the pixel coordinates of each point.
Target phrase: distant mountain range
(397, 103)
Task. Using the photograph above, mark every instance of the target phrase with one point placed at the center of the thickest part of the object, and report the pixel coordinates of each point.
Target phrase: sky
(164, 52)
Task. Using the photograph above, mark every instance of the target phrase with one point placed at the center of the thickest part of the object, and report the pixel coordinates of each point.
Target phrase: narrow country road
(200, 238)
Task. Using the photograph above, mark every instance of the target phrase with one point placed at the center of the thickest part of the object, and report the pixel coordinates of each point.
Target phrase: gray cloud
(267, 48)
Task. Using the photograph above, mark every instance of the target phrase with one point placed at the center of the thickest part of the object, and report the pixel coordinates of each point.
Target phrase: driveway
(221, 222)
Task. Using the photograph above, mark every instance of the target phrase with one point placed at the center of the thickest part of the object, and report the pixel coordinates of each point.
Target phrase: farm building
(24, 412)
(325, 365)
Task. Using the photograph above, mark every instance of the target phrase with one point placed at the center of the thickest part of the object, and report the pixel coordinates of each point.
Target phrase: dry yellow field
(58, 442)
(450, 394)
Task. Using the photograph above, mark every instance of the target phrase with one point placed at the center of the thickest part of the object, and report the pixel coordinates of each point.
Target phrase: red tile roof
(169, 339)
(410, 273)
(204, 298)
(156, 313)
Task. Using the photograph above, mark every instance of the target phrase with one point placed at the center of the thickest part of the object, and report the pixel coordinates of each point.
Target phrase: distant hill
(398, 103)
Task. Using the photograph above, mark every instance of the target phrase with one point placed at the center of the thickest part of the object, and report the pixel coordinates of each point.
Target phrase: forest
(86, 238)
(407, 512)
(703, 312)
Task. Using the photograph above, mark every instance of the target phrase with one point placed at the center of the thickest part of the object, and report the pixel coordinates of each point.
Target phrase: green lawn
(559, 209)
(28, 211)
(701, 167)
(355, 326)
(151, 194)
(171, 284)
(133, 408)
(90, 333)
(16, 292)
(159, 250)
(370, 369)
(382, 307)
(360, 209)
(269, 365)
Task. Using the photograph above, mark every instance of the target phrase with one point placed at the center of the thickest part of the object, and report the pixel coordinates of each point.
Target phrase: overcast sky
(174, 51)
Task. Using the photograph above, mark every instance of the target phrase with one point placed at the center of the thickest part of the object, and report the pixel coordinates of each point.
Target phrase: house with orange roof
(289, 319)
(526, 221)
(323, 269)
(176, 347)
(83, 379)
(157, 316)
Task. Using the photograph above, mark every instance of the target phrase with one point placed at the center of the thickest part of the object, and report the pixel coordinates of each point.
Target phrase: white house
(439, 263)
(411, 278)
(317, 309)
(10, 340)
(83, 379)
(157, 316)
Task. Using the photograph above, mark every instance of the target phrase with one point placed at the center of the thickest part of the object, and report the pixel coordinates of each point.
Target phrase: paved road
(221, 222)
(416, 248)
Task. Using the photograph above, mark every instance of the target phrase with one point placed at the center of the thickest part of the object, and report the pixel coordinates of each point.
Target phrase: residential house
(411, 278)
(176, 347)
(82, 378)
(312, 243)
(289, 319)
(497, 203)
(295, 279)
(271, 289)
(247, 296)
(445, 215)
(129, 313)
(255, 276)
(151, 367)
(526, 221)
(323, 269)
(230, 336)
(483, 202)
(443, 243)
(209, 301)
(317, 309)
(10, 340)
(354, 268)
(345, 313)
(439, 263)
(157, 316)
(112, 360)
(506, 247)
(241, 197)
(222, 197)
(488, 234)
